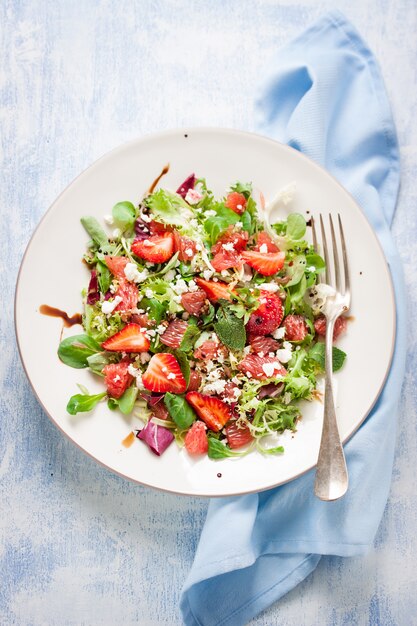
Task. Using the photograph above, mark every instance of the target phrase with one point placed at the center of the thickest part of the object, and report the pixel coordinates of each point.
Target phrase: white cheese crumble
(208, 274)
(145, 357)
(287, 345)
(171, 376)
(317, 297)
(271, 287)
(284, 355)
(279, 333)
(116, 233)
(268, 369)
(109, 220)
(108, 306)
(229, 247)
(210, 213)
(170, 275)
(180, 287)
(145, 217)
(133, 275)
(263, 248)
(189, 252)
(161, 329)
(192, 286)
(193, 196)
(149, 293)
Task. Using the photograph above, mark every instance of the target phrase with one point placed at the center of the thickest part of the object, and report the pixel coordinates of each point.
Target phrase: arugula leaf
(104, 276)
(244, 188)
(183, 363)
(230, 329)
(189, 338)
(296, 226)
(97, 361)
(127, 400)
(179, 409)
(217, 450)
(74, 351)
(81, 403)
(216, 225)
(124, 215)
(156, 310)
(95, 231)
(318, 354)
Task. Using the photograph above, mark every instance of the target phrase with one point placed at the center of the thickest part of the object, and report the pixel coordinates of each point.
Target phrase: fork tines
(331, 255)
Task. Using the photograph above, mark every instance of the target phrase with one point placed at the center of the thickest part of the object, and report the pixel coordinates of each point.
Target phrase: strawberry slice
(164, 374)
(236, 202)
(263, 240)
(210, 409)
(339, 326)
(295, 328)
(261, 367)
(215, 290)
(268, 316)
(238, 239)
(194, 301)
(130, 339)
(116, 378)
(173, 335)
(237, 435)
(157, 228)
(185, 247)
(196, 439)
(266, 264)
(156, 249)
(116, 265)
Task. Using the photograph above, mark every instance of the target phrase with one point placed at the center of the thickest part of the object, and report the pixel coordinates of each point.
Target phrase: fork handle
(331, 475)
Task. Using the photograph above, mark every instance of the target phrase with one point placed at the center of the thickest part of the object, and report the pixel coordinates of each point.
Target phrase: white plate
(52, 273)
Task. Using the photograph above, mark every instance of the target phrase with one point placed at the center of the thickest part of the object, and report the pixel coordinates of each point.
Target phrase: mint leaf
(74, 351)
(318, 354)
(124, 214)
(81, 403)
(230, 329)
(189, 338)
(179, 409)
(296, 226)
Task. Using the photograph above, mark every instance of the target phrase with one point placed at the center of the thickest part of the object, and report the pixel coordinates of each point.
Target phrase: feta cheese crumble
(193, 196)
(108, 306)
(133, 274)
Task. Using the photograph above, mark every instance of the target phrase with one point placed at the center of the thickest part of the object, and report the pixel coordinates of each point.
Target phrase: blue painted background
(79, 546)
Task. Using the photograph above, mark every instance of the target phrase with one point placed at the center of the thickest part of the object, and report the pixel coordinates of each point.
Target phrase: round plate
(52, 273)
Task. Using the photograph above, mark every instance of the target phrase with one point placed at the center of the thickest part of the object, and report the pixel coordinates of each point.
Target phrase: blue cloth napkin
(326, 98)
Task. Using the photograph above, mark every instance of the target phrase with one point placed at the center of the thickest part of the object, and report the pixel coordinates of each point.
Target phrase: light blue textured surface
(79, 545)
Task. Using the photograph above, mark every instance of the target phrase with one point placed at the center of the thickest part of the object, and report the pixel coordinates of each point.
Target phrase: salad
(202, 319)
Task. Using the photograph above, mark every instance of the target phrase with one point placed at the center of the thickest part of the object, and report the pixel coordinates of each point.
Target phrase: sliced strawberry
(194, 301)
(188, 184)
(164, 374)
(196, 439)
(215, 290)
(130, 339)
(268, 316)
(156, 249)
(173, 335)
(116, 378)
(225, 260)
(238, 238)
(185, 247)
(339, 327)
(295, 328)
(236, 201)
(210, 409)
(238, 435)
(209, 350)
(129, 294)
(195, 381)
(264, 239)
(263, 344)
(116, 265)
(261, 367)
(266, 264)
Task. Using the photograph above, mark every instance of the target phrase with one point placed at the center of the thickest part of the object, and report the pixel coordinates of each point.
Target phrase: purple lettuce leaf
(157, 437)
(188, 183)
(270, 391)
(93, 294)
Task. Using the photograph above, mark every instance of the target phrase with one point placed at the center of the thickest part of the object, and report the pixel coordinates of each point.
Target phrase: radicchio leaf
(157, 437)
(186, 185)
(93, 294)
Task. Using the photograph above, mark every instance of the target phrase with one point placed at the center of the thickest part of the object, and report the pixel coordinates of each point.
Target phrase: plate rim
(204, 130)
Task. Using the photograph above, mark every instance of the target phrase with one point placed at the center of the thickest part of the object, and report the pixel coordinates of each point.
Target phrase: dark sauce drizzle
(51, 311)
(158, 178)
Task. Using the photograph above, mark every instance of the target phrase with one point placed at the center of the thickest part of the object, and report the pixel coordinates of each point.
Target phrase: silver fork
(331, 474)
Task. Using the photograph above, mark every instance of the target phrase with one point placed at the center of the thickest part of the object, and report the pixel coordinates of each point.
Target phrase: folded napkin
(326, 98)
